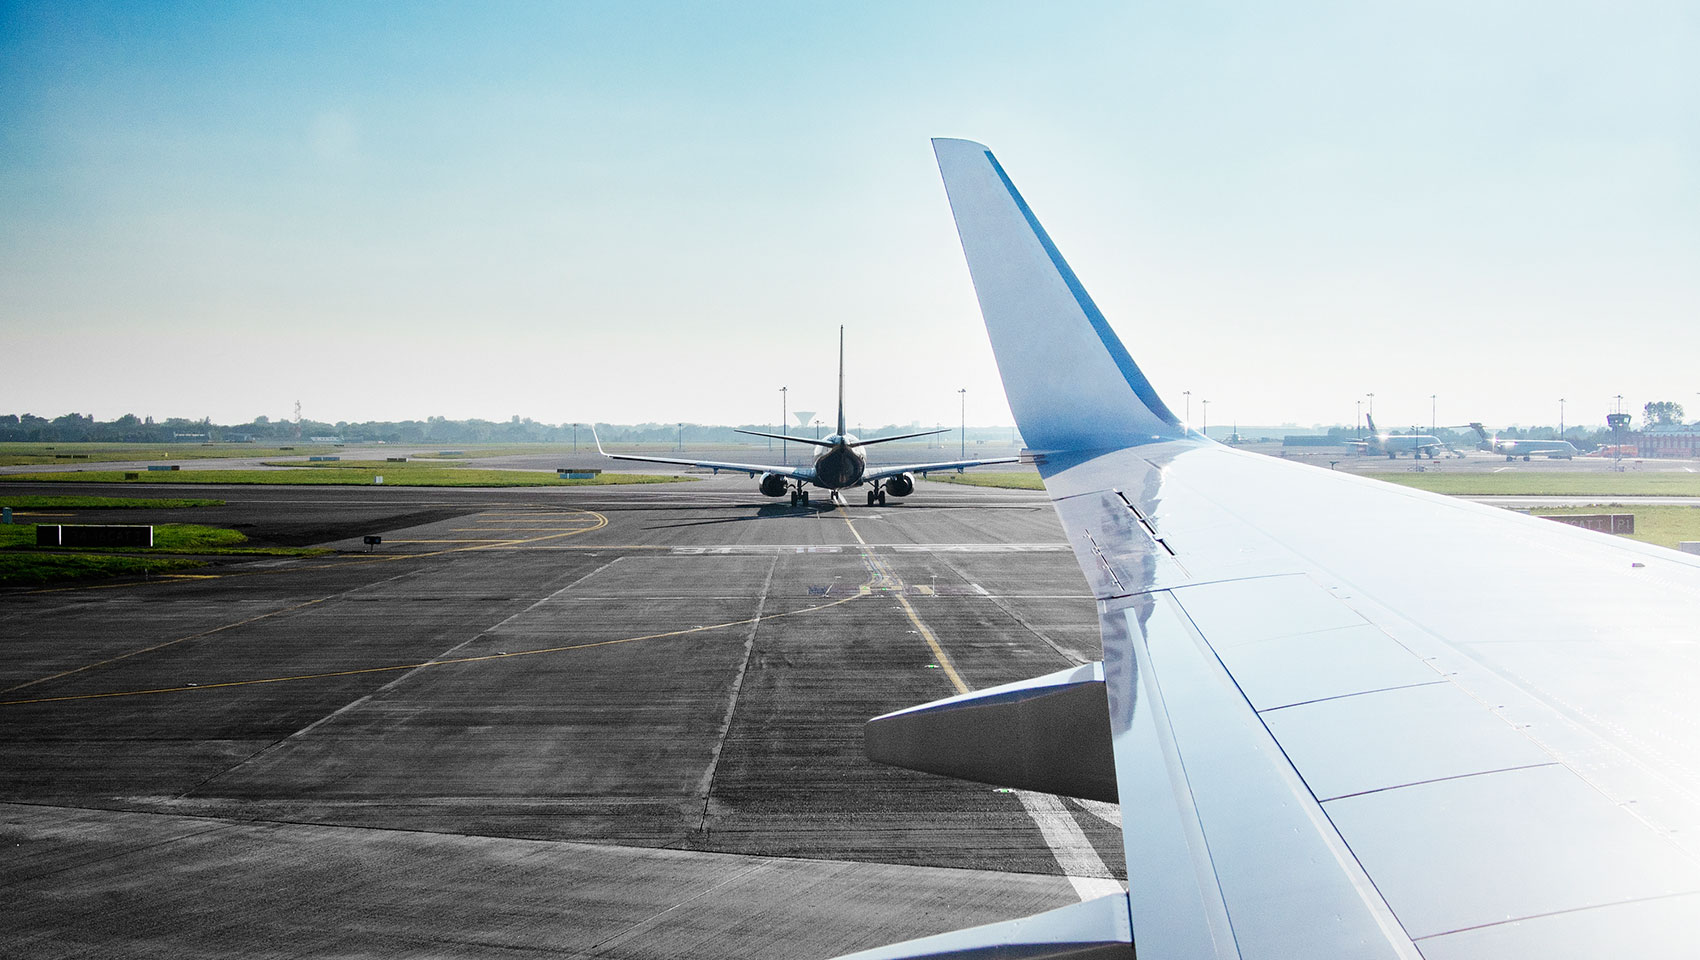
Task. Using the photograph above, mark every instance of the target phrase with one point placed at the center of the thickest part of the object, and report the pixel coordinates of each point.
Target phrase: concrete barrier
(92, 535)
(1603, 522)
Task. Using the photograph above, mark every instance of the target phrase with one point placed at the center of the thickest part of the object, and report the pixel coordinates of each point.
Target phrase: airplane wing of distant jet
(880, 473)
(1474, 734)
(753, 469)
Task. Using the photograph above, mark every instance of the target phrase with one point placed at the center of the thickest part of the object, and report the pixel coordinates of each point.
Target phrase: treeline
(76, 427)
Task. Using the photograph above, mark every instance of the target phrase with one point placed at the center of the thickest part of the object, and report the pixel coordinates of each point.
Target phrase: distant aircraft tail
(1370, 419)
(1070, 382)
(1481, 431)
(841, 380)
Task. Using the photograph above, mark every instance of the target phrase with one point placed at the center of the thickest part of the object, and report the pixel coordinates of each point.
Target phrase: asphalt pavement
(595, 721)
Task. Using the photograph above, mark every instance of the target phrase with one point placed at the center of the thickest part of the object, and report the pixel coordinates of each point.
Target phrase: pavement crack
(706, 787)
(367, 698)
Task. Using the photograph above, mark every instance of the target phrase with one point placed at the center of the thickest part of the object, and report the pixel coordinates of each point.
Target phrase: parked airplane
(840, 464)
(1323, 744)
(1393, 444)
(1512, 449)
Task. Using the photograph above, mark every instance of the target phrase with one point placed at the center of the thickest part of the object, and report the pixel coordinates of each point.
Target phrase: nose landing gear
(799, 495)
(876, 495)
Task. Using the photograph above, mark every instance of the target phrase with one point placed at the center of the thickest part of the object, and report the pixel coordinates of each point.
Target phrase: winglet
(1071, 383)
(598, 440)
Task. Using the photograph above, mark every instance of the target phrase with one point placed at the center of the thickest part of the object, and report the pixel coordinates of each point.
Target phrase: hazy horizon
(662, 212)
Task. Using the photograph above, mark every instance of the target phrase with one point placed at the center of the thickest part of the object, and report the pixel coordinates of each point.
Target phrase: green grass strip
(167, 538)
(340, 474)
(992, 478)
(102, 503)
(34, 569)
(1512, 483)
(13, 453)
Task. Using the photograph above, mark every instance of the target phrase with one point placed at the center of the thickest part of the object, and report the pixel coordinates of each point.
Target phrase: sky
(632, 212)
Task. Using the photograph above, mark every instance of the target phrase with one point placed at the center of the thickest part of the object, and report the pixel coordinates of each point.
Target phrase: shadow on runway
(767, 511)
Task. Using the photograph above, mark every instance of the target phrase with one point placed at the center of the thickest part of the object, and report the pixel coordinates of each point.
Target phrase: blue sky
(632, 212)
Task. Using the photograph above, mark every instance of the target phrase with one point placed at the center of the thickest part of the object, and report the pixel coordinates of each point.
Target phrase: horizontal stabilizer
(811, 441)
(1050, 734)
(1092, 930)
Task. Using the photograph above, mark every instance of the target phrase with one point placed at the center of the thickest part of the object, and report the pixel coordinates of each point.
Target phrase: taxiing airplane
(1511, 449)
(1473, 735)
(839, 465)
(1393, 444)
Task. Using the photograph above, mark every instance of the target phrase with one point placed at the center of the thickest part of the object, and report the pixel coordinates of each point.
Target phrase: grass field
(34, 569)
(24, 454)
(102, 503)
(350, 473)
(1514, 483)
(21, 564)
(167, 538)
(992, 478)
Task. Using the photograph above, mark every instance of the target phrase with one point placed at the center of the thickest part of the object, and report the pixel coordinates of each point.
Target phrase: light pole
(1358, 424)
(681, 438)
(963, 433)
(1561, 418)
(1206, 404)
(782, 418)
(817, 428)
(1371, 397)
(575, 438)
(1188, 395)
(1432, 406)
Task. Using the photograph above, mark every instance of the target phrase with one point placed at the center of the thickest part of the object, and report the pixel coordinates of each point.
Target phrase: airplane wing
(1346, 718)
(753, 469)
(880, 473)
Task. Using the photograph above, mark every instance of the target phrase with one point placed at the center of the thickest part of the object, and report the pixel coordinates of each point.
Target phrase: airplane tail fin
(1369, 418)
(841, 380)
(1481, 431)
(1070, 382)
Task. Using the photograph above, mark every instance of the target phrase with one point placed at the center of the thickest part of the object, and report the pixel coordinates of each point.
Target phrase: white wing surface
(1348, 719)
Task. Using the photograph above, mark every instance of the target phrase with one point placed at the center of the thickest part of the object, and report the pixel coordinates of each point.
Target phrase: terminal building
(1681, 440)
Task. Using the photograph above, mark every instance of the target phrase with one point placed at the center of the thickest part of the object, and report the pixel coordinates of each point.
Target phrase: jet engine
(774, 485)
(901, 485)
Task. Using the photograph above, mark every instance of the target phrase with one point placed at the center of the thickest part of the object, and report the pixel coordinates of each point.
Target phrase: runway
(594, 721)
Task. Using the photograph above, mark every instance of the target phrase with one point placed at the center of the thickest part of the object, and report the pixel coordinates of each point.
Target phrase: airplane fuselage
(840, 465)
(1512, 449)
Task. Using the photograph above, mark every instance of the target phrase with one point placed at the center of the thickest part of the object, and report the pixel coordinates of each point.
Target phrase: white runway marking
(1075, 854)
(1110, 813)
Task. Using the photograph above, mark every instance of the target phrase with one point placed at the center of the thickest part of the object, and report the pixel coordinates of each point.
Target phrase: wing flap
(1090, 930)
(1050, 734)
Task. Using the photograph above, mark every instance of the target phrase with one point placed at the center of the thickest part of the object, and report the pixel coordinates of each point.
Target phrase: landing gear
(876, 495)
(799, 495)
